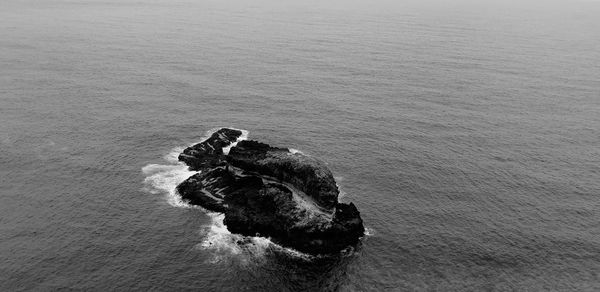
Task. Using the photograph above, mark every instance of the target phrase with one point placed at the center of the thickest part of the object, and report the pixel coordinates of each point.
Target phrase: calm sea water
(467, 133)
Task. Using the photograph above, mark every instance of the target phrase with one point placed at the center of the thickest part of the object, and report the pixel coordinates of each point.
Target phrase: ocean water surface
(466, 132)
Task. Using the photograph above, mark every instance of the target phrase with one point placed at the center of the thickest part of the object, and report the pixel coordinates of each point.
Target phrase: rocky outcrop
(209, 153)
(308, 174)
(264, 190)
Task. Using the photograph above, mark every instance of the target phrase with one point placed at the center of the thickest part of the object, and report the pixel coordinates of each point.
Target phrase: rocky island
(268, 191)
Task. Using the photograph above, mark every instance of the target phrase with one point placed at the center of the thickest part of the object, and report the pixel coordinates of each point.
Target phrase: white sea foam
(294, 151)
(224, 245)
(244, 136)
(173, 156)
(164, 178)
(342, 193)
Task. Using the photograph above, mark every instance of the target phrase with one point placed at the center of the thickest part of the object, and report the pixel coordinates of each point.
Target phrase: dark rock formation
(308, 174)
(209, 153)
(291, 198)
(208, 188)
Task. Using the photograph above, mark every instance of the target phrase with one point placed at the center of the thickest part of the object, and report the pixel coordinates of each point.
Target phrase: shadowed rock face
(291, 198)
(209, 153)
(308, 174)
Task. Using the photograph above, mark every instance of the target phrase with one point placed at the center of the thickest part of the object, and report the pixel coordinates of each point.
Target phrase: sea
(466, 132)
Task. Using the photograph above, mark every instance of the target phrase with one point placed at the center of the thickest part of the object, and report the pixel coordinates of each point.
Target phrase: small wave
(338, 180)
(294, 151)
(164, 179)
(369, 232)
(173, 156)
(224, 244)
